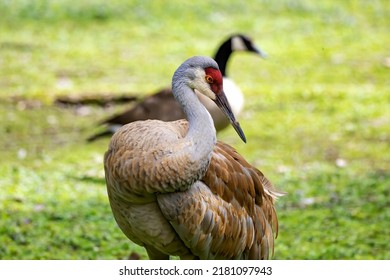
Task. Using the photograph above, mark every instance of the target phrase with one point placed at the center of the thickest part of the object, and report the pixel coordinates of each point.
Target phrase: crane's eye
(209, 79)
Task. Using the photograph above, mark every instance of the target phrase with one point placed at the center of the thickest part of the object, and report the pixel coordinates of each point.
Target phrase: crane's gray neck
(201, 132)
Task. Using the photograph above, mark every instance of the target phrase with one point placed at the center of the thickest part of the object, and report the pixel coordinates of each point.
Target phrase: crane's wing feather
(229, 214)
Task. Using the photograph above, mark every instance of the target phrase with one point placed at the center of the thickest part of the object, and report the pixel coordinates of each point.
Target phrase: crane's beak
(224, 105)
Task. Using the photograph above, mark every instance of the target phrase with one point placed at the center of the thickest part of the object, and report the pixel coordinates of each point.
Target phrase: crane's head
(202, 74)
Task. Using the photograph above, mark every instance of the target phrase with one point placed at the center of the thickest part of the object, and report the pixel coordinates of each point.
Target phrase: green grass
(317, 116)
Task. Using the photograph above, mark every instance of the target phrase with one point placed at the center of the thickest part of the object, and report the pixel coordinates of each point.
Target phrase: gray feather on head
(192, 62)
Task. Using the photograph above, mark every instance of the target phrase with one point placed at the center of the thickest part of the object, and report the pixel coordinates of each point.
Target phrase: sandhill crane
(163, 106)
(176, 191)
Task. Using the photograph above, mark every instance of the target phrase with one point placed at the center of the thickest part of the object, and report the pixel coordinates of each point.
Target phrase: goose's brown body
(222, 210)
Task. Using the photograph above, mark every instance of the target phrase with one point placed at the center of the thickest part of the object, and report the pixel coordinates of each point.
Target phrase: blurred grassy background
(317, 115)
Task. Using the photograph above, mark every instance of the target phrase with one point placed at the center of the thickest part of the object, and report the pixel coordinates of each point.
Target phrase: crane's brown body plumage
(178, 192)
(225, 213)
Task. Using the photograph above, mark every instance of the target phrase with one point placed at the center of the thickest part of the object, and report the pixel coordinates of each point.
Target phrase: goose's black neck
(222, 56)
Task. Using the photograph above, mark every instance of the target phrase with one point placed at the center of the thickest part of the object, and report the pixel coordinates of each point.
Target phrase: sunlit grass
(316, 116)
